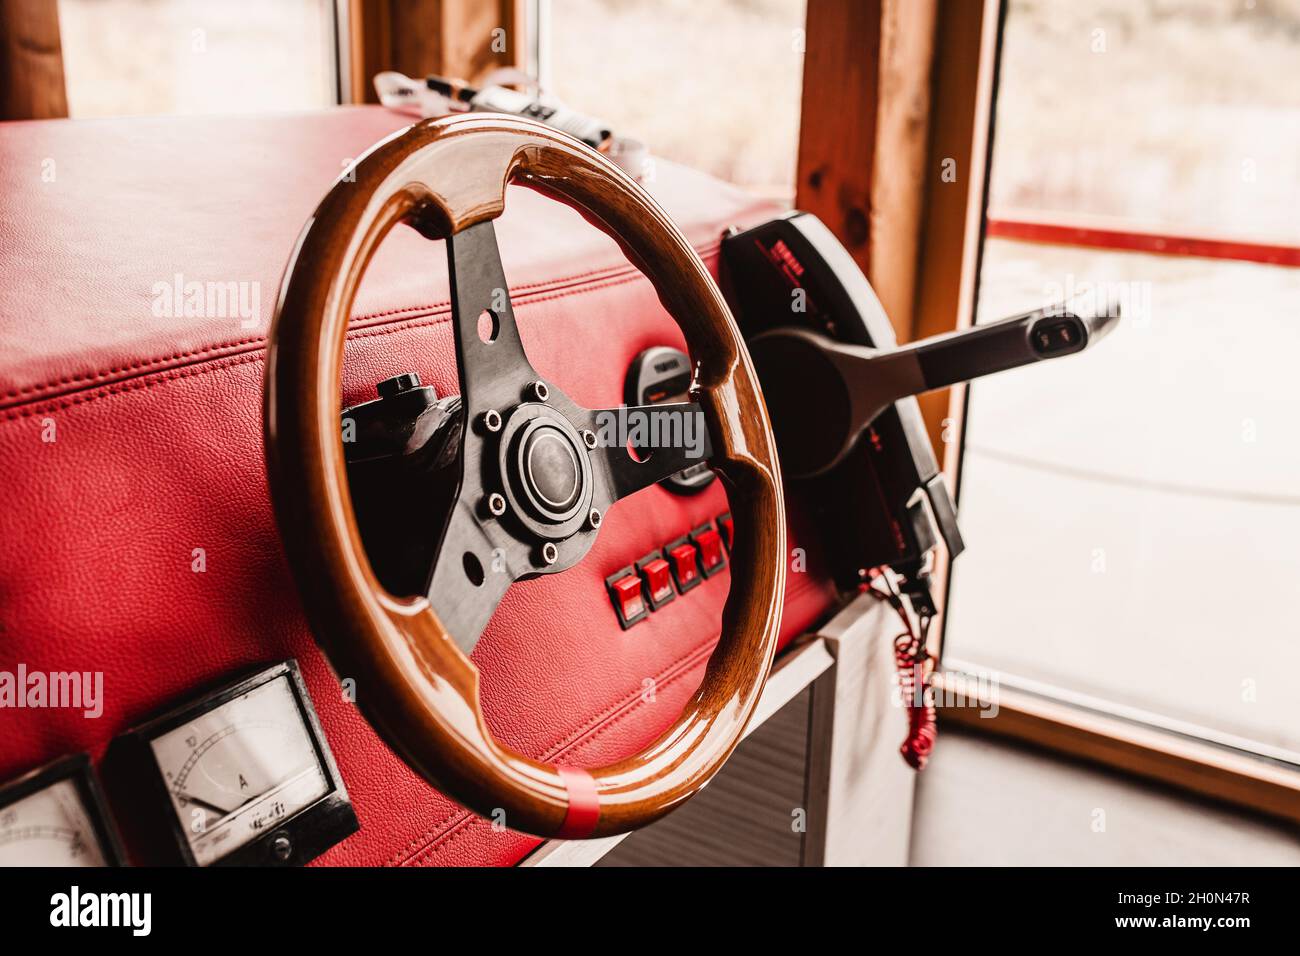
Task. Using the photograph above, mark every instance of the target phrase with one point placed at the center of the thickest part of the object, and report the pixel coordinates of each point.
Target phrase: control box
(886, 502)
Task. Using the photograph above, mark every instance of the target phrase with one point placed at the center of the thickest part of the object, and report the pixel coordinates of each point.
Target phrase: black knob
(391, 387)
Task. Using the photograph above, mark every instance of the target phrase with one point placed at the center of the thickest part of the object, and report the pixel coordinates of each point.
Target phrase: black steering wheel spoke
(495, 373)
(537, 471)
(471, 572)
(528, 499)
(637, 446)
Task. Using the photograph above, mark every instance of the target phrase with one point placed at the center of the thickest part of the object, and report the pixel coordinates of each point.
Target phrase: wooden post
(458, 38)
(863, 135)
(837, 123)
(956, 194)
(893, 150)
(955, 178)
(31, 61)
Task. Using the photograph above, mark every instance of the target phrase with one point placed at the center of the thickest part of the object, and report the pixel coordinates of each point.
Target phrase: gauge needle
(193, 800)
(223, 800)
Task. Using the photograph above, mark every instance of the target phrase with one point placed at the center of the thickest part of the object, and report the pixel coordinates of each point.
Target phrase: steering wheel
(537, 472)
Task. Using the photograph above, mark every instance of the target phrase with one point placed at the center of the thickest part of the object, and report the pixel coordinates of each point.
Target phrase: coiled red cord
(913, 660)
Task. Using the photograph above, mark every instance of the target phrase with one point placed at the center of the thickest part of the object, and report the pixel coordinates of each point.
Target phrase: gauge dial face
(240, 770)
(51, 827)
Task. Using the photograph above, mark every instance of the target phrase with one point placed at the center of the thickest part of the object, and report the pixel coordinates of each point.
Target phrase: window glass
(712, 85)
(127, 57)
(1131, 513)
(1181, 113)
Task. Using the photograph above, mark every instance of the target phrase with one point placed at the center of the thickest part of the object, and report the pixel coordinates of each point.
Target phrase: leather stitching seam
(35, 392)
(232, 361)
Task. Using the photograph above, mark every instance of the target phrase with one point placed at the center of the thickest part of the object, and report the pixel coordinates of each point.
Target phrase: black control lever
(822, 393)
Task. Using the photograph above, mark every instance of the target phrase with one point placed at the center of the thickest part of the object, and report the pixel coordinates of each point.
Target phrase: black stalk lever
(822, 393)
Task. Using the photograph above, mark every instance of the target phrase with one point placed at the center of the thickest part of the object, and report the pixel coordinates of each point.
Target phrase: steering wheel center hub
(550, 468)
(546, 469)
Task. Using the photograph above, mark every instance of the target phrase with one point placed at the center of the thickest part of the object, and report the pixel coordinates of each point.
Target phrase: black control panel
(841, 391)
(659, 376)
(885, 503)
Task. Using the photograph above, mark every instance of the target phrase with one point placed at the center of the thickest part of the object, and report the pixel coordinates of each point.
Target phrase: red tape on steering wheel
(584, 804)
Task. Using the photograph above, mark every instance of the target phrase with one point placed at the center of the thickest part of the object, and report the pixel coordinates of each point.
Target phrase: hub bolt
(589, 438)
(550, 553)
(492, 420)
(594, 519)
(539, 391)
(495, 504)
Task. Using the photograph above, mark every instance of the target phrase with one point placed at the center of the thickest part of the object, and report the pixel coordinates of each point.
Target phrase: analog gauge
(54, 817)
(239, 766)
(240, 769)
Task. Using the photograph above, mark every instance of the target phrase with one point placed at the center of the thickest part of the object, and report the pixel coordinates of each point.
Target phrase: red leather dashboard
(157, 452)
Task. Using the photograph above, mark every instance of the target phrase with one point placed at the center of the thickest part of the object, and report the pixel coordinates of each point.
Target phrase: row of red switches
(686, 562)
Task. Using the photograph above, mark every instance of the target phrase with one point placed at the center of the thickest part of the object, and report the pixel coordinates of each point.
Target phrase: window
(1131, 513)
(713, 85)
(125, 57)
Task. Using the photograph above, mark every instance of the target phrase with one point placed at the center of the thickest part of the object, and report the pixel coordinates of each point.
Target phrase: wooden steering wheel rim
(413, 683)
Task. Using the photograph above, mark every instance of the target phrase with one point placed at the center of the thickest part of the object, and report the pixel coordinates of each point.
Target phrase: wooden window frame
(31, 61)
(876, 183)
(417, 37)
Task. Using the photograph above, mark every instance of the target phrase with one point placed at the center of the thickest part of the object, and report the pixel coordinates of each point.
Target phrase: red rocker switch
(657, 578)
(712, 558)
(625, 591)
(683, 559)
(728, 529)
